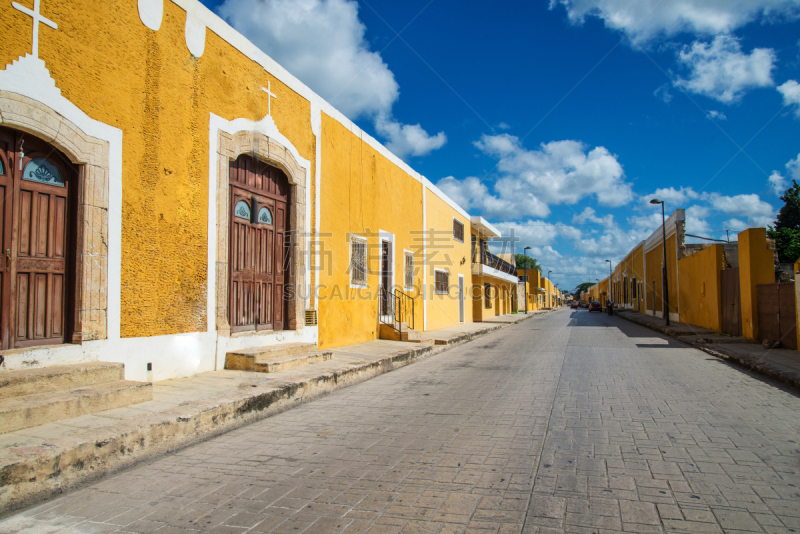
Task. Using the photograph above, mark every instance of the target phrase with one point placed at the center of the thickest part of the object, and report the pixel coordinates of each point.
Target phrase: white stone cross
(37, 18)
(271, 95)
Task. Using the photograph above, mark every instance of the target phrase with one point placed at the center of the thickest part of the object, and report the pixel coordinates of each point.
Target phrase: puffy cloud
(672, 196)
(757, 212)
(791, 95)
(662, 93)
(322, 42)
(777, 183)
(643, 20)
(716, 115)
(793, 167)
(408, 139)
(720, 69)
(559, 172)
(588, 215)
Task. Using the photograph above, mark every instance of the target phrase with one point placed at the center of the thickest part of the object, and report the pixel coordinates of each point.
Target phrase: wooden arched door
(37, 183)
(259, 251)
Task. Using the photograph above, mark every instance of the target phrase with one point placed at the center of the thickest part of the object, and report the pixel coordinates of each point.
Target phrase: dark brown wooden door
(259, 251)
(776, 314)
(731, 320)
(387, 305)
(36, 185)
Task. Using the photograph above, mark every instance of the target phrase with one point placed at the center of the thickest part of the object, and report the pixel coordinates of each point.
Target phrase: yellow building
(205, 200)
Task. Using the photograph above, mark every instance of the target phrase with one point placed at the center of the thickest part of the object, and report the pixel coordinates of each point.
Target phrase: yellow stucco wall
(449, 255)
(700, 288)
(147, 84)
(654, 280)
(363, 193)
(756, 266)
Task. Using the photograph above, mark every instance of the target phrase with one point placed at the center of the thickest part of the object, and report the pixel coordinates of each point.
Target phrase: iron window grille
(358, 261)
(442, 281)
(409, 271)
(487, 289)
(458, 230)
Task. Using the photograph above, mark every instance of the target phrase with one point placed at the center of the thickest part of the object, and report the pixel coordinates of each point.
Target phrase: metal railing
(396, 309)
(489, 259)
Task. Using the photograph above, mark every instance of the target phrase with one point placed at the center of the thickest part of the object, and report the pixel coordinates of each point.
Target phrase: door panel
(257, 276)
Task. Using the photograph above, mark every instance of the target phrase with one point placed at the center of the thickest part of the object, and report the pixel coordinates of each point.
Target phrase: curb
(718, 353)
(68, 463)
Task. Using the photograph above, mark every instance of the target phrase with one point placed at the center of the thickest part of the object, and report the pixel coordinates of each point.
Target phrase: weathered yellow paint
(447, 254)
(362, 193)
(700, 287)
(654, 261)
(756, 266)
(147, 84)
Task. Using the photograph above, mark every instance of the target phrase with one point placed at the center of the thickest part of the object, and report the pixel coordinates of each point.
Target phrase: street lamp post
(610, 286)
(527, 278)
(664, 270)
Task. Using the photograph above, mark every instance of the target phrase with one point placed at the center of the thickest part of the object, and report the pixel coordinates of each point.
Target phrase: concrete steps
(33, 397)
(391, 333)
(275, 358)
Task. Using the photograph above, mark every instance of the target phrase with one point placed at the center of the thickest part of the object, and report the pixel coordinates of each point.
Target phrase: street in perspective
(568, 422)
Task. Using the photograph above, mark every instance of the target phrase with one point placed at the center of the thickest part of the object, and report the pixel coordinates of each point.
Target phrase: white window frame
(406, 285)
(435, 289)
(361, 239)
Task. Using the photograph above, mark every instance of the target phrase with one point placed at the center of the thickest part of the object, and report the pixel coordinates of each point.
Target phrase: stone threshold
(771, 363)
(39, 462)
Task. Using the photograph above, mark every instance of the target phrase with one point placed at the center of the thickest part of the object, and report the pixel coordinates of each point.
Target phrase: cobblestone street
(569, 422)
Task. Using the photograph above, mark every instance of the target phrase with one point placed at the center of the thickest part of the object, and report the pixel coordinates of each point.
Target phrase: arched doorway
(259, 251)
(37, 238)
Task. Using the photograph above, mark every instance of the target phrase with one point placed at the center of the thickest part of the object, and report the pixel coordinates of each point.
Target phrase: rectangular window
(358, 261)
(487, 290)
(442, 281)
(409, 271)
(458, 230)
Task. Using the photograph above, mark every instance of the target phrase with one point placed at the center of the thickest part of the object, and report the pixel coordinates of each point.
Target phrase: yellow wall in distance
(362, 193)
(447, 254)
(700, 288)
(756, 266)
(654, 279)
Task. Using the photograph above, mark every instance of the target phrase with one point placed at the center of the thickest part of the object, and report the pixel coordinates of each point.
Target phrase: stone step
(34, 410)
(58, 378)
(290, 361)
(406, 334)
(244, 359)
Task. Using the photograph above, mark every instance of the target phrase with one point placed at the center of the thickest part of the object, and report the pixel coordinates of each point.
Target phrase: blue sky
(561, 118)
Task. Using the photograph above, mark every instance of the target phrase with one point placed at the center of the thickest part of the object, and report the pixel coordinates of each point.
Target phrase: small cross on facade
(270, 96)
(37, 18)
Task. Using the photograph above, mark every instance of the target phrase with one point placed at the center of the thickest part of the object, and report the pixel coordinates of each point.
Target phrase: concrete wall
(756, 266)
(700, 287)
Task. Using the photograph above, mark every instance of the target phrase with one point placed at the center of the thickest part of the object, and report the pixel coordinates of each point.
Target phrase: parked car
(574, 305)
(596, 306)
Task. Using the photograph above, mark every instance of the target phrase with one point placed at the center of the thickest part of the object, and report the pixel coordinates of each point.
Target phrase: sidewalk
(40, 461)
(781, 365)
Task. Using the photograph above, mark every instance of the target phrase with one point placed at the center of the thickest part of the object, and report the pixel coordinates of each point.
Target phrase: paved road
(571, 422)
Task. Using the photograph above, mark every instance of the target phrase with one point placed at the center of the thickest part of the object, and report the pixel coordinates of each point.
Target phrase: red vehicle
(574, 305)
(596, 306)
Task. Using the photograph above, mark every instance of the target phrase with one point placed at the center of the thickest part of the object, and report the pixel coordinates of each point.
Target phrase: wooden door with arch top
(258, 250)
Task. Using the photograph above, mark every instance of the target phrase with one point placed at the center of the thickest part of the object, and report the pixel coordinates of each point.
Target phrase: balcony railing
(487, 258)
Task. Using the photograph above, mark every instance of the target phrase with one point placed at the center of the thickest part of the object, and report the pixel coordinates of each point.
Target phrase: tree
(581, 289)
(525, 262)
(786, 232)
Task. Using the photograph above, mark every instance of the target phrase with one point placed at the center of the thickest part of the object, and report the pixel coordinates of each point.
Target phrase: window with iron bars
(358, 261)
(409, 271)
(487, 289)
(458, 230)
(442, 281)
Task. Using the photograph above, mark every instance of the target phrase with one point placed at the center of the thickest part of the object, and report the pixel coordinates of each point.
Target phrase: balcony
(485, 263)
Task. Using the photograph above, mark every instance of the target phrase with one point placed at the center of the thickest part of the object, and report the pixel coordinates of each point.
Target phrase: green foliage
(786, 232)
(526, 262)
(581, 289)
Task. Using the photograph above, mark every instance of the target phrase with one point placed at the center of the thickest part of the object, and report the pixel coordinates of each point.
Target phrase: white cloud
(696, 220)
(793, 167)
(672, 196)
(791, 95)
(322, 42)
(735, 225)
(643, 20)
(757, 212)
(559, 172)
(408, 139)
(777, 183)
(720, 69)
(662, 93)
(716, 115)
(503, 126)
(588, 215)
